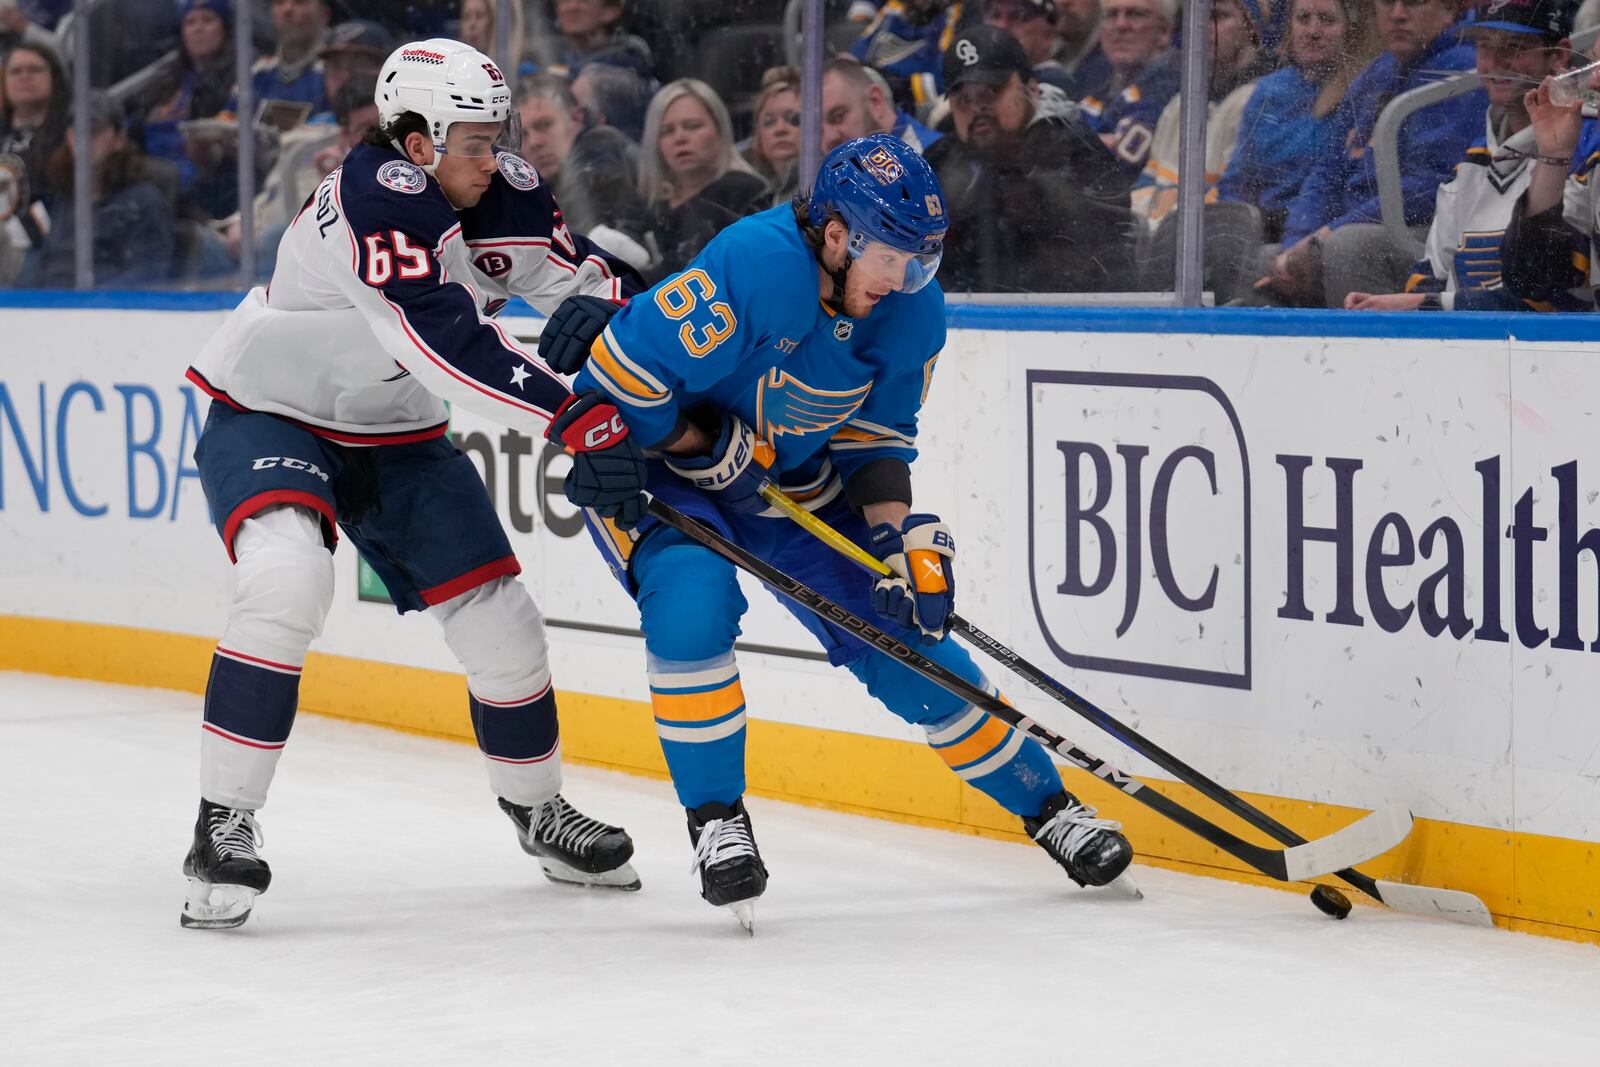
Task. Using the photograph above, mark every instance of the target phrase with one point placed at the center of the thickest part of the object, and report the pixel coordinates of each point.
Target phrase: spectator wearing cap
(1329, 42)
(293, 72)
(1036, 202)
(1335, 220)
(203, 82)
(906, 42)
(1519, 43)
(592, 32)
(1078, 26)
(133, 226)
(592, 168)
(353, 51)
(856, 102)
(1033, 24)
(1136, 36)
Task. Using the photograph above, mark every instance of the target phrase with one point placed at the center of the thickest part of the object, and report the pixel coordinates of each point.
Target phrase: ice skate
(732, 875)
(1092, 850)
(572, 848)
(225, 873)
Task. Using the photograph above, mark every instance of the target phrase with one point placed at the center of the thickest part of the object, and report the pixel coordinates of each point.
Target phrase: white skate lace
(1072, 827)
(555, 822)
(722, 840)
(236, 834)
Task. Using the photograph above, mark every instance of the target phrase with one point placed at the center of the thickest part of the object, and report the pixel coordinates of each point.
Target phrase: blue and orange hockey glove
(921, 593)
(739, 464)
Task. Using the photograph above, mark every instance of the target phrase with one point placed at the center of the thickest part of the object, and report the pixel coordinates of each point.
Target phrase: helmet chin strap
(835, 300)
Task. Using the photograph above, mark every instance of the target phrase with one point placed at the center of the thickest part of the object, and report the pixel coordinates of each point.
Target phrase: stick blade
(1451, 904)
(1369, 836)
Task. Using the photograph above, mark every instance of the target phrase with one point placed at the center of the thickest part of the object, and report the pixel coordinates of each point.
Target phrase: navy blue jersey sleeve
(519, 218)
(407, 275)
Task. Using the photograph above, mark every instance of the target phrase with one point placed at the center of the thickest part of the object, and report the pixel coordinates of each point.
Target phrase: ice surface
(405, 926)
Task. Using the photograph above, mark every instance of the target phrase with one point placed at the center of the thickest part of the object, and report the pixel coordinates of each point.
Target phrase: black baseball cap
(987, 55)
(1550, 19)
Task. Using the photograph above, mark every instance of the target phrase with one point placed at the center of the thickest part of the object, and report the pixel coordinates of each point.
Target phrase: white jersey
(382, 305)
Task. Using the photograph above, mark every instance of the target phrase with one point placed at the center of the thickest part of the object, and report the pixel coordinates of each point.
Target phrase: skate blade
(1125, 885)
(213, 906)
(622, 877)
(745, 912)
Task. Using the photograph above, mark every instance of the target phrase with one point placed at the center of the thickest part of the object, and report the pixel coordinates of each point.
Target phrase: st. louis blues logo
(518, 171)
(785, 404)
(402, 176)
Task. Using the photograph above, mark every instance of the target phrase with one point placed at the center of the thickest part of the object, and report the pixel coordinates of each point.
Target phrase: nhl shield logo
(518, 171)
(843, 329)
(402, 176)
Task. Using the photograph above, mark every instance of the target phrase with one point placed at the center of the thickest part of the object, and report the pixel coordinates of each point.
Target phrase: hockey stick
(1367, 837)
(1449, 904)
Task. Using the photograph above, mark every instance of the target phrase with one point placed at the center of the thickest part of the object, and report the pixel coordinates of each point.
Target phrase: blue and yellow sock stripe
(974, 743)
(704, 702)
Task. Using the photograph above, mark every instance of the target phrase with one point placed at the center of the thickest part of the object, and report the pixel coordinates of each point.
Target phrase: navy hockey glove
(739, 465)
(608, 470)
(921, 593)
(572, 328)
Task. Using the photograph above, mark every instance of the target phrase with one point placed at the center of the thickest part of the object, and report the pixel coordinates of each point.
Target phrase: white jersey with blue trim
(381, 307)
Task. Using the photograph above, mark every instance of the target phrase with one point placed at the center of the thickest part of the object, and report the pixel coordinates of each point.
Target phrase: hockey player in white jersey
(329, 391)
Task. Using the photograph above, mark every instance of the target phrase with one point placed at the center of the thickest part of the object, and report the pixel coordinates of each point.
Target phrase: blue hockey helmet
(886, 192)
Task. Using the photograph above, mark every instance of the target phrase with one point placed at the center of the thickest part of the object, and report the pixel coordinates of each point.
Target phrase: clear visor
(479, 139)
(894, 268)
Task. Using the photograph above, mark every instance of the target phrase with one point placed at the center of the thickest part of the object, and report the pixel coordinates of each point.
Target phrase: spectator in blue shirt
(1294, 107)
(1078, 26)
(1337, 215)
(906, 43)
(1033, 24)
(856, 102)
(294, 71)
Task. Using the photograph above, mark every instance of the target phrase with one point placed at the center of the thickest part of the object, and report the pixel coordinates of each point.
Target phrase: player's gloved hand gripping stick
(917, 587)
(1367, 837)
(608, 471)
(1422, 900)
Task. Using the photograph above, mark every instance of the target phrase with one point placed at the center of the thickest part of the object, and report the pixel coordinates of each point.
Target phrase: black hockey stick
(1367, 837)
(1426, 900)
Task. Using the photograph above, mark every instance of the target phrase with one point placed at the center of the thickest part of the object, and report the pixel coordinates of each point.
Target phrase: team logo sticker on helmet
(882, 165)
(402, 176)
(518, 171)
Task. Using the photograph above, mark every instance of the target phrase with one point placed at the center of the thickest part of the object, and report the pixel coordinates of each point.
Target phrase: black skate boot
(225, 874)
(731, 872)
(1092, 850)
(571, 847)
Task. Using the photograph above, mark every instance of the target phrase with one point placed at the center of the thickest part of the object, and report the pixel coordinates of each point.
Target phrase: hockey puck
(1330, 901)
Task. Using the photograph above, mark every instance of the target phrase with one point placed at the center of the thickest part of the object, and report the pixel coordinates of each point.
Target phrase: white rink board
(1486, 729)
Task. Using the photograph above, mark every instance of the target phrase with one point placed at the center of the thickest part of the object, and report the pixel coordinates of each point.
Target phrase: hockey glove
(608, 470)
(572, 328)
(738, 466)
(921, 592)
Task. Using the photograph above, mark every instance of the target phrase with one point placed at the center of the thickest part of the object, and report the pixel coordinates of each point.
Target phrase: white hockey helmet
(446, 82)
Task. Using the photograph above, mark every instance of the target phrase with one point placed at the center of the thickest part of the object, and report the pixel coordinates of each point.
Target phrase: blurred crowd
(1054, 127)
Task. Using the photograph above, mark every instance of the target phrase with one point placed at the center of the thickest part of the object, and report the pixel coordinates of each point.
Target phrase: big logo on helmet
(882, 165)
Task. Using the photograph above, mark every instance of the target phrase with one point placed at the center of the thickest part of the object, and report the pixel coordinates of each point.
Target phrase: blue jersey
(742, 330)
(908, 48)
(1127, 121)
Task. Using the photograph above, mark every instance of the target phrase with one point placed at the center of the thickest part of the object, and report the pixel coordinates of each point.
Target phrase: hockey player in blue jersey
(329, 391)
(736, 373)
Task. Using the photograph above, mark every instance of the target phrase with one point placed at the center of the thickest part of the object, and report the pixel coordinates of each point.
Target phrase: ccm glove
(608, 470)
(738, 466)
(572, 328)
(921, 592)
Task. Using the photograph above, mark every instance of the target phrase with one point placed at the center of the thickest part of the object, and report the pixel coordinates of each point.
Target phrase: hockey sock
(250, 706)
(700, 717)
(1009, 766)
(520, 740)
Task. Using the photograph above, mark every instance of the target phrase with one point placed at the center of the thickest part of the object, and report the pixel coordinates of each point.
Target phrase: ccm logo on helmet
(597, 435)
